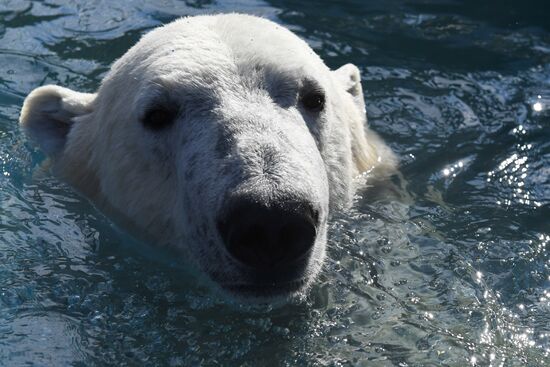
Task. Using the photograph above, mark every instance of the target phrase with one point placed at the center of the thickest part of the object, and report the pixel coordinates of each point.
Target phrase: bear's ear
(48, 114)
(350, 77)
(364, 154)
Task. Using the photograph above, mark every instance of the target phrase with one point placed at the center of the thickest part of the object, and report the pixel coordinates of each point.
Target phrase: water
(453, 271)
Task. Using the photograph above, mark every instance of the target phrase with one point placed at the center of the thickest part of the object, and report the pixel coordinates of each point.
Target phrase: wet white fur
(235, 79)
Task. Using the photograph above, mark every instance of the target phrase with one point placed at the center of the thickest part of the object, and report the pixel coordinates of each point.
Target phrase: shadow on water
(463, 35)
(452, 269)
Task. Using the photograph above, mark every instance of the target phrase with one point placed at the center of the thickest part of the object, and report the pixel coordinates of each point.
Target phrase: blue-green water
(454, 272)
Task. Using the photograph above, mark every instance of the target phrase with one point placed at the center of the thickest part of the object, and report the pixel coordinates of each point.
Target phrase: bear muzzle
(272, 240)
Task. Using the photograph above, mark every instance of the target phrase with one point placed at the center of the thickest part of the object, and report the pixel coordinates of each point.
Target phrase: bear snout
(270, 237)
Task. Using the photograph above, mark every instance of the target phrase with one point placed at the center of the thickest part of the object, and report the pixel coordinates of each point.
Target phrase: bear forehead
(214, 50)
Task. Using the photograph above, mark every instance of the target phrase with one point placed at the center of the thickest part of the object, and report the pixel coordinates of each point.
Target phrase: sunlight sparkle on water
(454, 169)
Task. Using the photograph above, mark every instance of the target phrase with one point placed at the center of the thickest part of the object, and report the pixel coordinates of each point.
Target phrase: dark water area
(454, 272)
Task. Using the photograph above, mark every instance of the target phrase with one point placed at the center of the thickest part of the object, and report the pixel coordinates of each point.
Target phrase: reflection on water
(451, 268)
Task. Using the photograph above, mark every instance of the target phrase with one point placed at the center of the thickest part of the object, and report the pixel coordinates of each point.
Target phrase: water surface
(453, 271)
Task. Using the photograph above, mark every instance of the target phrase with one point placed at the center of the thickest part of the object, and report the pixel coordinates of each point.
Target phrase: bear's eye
(313, 100)
(158, 118)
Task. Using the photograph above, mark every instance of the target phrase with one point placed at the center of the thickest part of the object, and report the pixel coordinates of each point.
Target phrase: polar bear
(224, 137)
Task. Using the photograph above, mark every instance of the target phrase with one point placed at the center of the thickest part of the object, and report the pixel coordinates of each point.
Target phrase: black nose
(262, 236)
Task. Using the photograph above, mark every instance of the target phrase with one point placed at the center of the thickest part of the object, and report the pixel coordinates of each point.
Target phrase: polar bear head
(225, 137)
